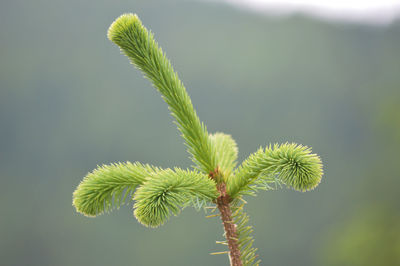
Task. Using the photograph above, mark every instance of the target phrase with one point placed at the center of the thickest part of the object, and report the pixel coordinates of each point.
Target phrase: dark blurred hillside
(70, 101)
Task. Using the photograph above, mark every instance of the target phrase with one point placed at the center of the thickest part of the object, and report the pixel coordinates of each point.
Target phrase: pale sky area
(356, 11)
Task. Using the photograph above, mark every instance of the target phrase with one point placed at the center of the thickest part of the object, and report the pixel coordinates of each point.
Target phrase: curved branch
(168, 191)
(108, 186)
(289, 163)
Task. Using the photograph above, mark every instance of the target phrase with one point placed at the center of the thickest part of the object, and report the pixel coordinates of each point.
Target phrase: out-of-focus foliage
(369, 237)
(66, 105)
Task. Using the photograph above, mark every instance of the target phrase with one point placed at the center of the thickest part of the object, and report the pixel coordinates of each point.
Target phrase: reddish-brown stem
(229, 227)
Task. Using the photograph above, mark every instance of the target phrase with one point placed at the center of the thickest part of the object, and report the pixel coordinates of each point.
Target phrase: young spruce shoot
(215, 182)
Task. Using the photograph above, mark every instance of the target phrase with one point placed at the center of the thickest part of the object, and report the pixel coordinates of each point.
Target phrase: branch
(230, 228)
(291, 164)
(169, 191)
(139, 45)
(108, 186)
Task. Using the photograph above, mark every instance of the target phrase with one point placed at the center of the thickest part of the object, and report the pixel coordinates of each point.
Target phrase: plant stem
(229, 227)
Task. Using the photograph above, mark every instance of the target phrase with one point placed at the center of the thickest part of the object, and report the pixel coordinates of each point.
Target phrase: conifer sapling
(214, 183)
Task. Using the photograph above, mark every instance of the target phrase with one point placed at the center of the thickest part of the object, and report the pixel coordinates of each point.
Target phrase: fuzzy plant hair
(214, 183)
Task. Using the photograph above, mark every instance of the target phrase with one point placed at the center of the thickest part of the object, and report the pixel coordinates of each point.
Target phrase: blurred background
(70, 101)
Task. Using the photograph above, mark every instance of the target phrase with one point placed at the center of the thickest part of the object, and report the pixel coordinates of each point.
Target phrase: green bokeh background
(70, 101)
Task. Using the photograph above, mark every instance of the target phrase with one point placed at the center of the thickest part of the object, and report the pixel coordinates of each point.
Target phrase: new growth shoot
(215, 182)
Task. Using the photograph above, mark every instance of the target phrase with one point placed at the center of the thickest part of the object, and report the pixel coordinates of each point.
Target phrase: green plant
(214, 183)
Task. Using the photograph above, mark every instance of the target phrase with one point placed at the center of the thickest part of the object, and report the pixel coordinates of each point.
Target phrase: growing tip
(121, 24)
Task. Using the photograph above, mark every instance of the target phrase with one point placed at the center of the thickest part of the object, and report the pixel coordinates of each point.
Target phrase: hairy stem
(229, 227)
